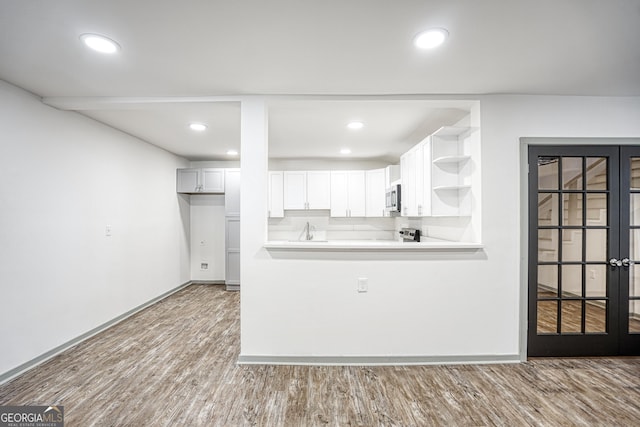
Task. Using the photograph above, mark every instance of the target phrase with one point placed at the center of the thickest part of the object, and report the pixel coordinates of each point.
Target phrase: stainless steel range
(410, 234)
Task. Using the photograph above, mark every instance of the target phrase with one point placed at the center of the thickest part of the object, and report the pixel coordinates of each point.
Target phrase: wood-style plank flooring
(571, 316)
(174, 364)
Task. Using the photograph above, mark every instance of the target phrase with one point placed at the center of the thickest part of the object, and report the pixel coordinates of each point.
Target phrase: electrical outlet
(204, 266)
(107, 230)
(363, 284)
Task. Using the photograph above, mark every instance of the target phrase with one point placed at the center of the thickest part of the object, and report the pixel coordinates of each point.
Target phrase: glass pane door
(630, 244)
(573, 290)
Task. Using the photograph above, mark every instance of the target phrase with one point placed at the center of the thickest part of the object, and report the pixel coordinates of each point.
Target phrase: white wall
(63, 178)
(448, 304)
(207, 237)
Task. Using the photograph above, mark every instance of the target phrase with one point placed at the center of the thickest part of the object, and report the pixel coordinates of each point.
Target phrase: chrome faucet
(307, 231)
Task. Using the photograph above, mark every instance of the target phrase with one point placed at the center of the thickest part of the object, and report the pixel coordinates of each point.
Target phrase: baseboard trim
(207, 282)
(378, 360)
(9, 375)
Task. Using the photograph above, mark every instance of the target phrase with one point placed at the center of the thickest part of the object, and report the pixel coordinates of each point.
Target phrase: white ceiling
(305, 47)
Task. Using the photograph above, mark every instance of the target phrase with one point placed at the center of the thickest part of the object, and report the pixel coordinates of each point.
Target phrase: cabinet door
(318, 190)
(357, 197)
(212, 180)
(295, 190)
(276, 193)
(426, 179)
(419, 179)
(375, 193)
(232, 254)
(187, 180)
(232, 192)
(339, 194)
(408, 164)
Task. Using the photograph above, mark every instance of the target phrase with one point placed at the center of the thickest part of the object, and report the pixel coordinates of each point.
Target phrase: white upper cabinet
(276, 194)
(213, 180)
(348, 194)
(376, 186)
(307, 190)
(295, 190)
(412, 173)
(318, 190)
(207, 180)
(188, 181)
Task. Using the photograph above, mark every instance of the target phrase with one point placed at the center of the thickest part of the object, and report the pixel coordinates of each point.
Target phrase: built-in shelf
(451, 159)
(455, 131)
(451, 171)
(451, 187)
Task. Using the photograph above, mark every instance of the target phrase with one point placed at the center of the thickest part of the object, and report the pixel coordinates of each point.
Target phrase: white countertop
(427, 244)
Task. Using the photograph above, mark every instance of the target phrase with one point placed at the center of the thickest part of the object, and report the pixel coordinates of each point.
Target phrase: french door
(584, 243)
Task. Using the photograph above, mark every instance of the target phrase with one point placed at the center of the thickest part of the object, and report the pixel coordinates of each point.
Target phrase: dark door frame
(573, 344)
(524, 143)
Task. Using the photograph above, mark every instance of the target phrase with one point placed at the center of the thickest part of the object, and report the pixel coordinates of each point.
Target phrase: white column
(253, 205)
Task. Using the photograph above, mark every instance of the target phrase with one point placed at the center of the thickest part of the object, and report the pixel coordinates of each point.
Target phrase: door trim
(524, 143)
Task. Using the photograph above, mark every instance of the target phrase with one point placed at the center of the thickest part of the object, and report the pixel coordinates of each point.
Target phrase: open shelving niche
(451, 171)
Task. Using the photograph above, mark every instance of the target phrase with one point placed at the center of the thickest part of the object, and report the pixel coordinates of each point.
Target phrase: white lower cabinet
(348, 194)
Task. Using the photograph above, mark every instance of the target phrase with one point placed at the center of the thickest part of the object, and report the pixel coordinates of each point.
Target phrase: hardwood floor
(595, 316)
(173, 364)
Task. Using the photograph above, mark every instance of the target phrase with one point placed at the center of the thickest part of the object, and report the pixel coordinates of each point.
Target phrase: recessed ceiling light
(345, 151)
(431, 38)
(355, 125)
(232, 152)
(198, 127)
(100, 43)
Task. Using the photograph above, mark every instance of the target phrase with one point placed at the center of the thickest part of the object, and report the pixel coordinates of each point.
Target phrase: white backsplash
(456, 229)
(292, 227)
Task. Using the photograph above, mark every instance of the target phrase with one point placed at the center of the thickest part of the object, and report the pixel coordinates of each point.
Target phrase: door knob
(614, 262)
(626, 262)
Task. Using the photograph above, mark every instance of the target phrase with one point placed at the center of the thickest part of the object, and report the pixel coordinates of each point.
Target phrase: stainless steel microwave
(392, 198)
